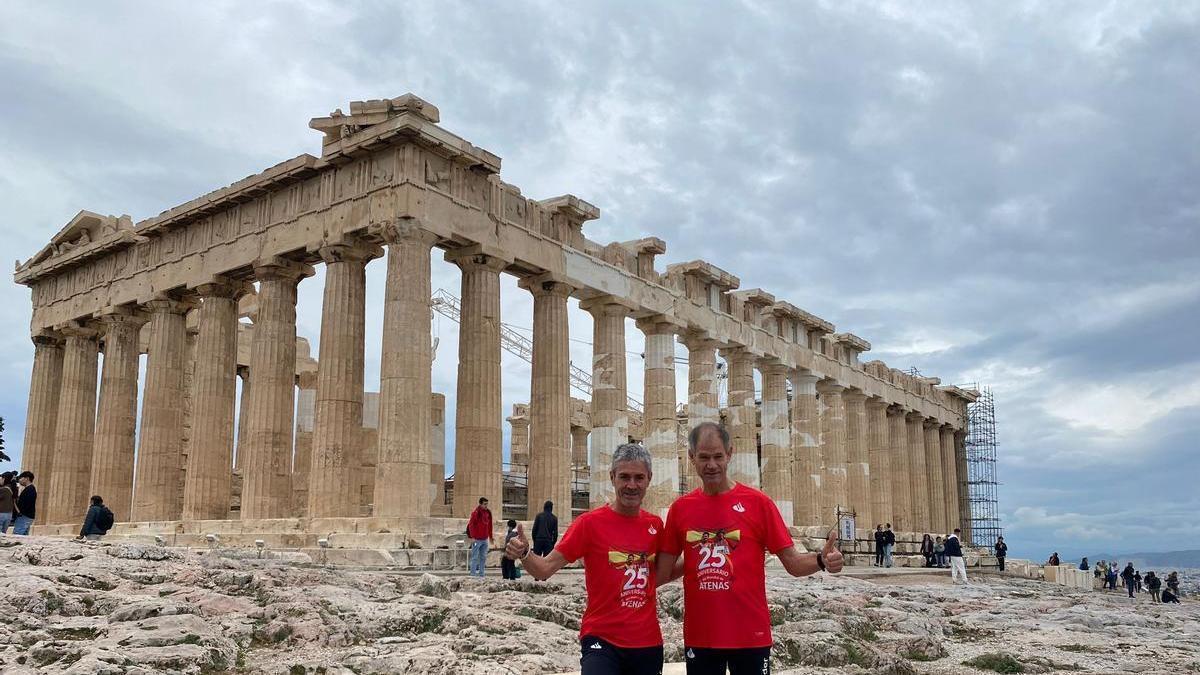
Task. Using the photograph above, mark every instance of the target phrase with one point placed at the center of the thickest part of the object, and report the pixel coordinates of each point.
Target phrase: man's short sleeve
(775, 535)
(671, 540)
(574, 542)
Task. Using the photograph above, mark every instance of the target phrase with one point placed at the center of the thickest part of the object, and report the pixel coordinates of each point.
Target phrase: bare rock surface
(125, 609)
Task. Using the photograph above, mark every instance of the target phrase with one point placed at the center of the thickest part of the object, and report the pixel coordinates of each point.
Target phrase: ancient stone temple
(392, 187)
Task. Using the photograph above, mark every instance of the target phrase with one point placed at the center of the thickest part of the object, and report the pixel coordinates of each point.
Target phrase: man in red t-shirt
(619, 634)
(723, 530)
(479, 529)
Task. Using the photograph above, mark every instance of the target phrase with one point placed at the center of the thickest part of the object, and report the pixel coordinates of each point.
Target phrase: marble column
(41, 417)
(702, 393)
(949, 477)
(66, 500)
(518, 443)
(579, 447)
(743, 416)
(478, 437)
(936, 496)
(437, 460)
(833, 450)
(405, 378)
(858, 466)
(964, 491)
(267, 462)
(776, 465)
(901, 479)
(918, 473)
(243, 408)
(338, 423)
(158, 487)
(880, 456)
(659, 423)
(116, 415)
(208, 483)
(610, 412)
(550, 399)
(302, 450)
(806, 450)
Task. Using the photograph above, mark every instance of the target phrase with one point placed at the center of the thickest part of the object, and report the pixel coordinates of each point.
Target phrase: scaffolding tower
(981, 468)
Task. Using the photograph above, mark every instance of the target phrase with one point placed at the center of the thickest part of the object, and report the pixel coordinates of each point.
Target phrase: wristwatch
(821, 561)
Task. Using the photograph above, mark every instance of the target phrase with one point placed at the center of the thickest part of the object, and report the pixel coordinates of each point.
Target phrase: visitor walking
(1127, 577)
(880, 545)
(1002, 551)
(479, 529)
(954, 553)
(545, 530)
(1137, 580)
(508, 567)
(8, 503)
(98, 521)
(939, 553)
(1154, 585)
(891, 545)
(927, 550)
(26, 503)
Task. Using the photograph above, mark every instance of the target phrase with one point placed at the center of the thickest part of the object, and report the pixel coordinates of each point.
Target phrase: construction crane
(512, 341)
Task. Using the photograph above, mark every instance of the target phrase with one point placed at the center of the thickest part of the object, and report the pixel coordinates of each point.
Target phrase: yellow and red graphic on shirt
(635, 566)
(714, 548)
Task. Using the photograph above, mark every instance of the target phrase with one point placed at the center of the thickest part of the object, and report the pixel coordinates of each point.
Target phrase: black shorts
(603, 658)
(749, 661)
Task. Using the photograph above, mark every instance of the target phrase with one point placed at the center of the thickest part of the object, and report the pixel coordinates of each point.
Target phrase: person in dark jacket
(8, 502)
(1153, 584)
(1001, 552)
(26, 503)
(880, 545)
(955, 554)
(890, 540)
(927, 550)
(1053, 561)
(1127, 577)
(508, 566)
(545, 530)
(1083, 566)
(97, 521)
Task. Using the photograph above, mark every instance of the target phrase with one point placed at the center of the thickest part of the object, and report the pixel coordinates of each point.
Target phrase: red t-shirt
(723, 539)
(479, 525)
(618, 570)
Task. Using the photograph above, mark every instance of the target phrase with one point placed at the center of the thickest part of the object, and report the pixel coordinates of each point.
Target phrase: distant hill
(1159, 559)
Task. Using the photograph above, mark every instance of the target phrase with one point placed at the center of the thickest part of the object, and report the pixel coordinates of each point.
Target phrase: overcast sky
(1007, 195)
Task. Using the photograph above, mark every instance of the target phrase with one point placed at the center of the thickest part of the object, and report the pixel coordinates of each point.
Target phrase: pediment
(85, 233)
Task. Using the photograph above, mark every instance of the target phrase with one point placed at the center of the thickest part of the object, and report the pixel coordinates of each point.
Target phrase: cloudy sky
(1007, 195)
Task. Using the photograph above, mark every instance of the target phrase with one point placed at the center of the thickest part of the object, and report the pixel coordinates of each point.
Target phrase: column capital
(47, 338)
(659, 324)
(693, 339)
(220, 286)
(243, 372)
(914, 416)
(350, 250)
(122, 315)
(800, 376)
(737, 353)
(853, 395)
(479, 256)
(946, 427)
(403, 229)
(896, 410)
(606, 305)
(163, 304)
(547, 284)
(80, 329)
(773, 366)
(876, 403)
(275, 267)
(306, 380)
(931, 423)
(830, 387)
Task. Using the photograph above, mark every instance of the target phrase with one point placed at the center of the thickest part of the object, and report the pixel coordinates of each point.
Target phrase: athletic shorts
(749, 661)
(604, 658)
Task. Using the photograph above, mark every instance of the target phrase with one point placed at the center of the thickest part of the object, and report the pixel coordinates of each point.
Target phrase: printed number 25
(636, 578)
(711, 557)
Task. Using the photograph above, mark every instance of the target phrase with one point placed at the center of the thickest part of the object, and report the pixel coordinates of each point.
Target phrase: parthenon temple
(207, 292)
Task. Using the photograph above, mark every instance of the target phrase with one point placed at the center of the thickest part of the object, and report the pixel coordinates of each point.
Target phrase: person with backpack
(98, 522)
(1154, 585)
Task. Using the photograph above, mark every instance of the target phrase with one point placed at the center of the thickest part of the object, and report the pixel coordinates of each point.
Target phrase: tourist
(545, 530)
(1168, 596)
(880, 545)
(927, 550)
(954, 552)
(1002, 551)
(479, 529)
(939, 553)
(1137, 580)
(1053, 561)
(508, 568)
(26, 503)
(1173, 583)
(1127, 577)
(1112, 576)
(891, 545)
(723, 530)
(617, 542)
(1153, 584)
(98, 521)
(1083, 566)
(8, 502)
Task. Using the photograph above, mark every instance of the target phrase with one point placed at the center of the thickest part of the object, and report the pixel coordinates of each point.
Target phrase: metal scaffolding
(981, 468)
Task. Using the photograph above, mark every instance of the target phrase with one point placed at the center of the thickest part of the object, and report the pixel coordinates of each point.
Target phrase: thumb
(521, 531)
(831, 541)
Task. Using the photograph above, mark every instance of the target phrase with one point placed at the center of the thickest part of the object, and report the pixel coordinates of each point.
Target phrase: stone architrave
(743, 415)
(858, 466)
(478, 438)
(880, 456)
(550, 398)
(406, 379)
(776, 465)
(659, 423)
(702, 393)
(806, 449)
(116, 415)
(267, 462)
(610, 411)
(918, 473)
(41, 420)
(66, 500)
(158, 486)
(337, 445)
(950, 477)
(833, 450)
(208, 483)
(901, 478)
(936, 495)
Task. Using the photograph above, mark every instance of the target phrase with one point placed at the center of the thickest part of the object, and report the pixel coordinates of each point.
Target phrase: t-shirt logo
(739, 508)
(636, 568)
(652, 530)
(714, 571)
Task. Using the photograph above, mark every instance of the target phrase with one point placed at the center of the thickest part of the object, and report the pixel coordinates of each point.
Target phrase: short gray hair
(631, 452)
(698, 431)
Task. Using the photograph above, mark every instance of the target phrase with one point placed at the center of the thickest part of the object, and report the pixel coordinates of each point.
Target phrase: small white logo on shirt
(739, 508)
(595, 645)
(691, 654)
(652, 530)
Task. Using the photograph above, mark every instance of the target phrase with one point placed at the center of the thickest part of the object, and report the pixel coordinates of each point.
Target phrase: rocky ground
(74, 607)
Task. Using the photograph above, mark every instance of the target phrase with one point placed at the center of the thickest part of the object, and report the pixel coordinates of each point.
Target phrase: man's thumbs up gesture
(516, 547)
(830, 555)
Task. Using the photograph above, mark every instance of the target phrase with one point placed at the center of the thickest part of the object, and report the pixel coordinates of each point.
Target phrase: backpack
(104, 519)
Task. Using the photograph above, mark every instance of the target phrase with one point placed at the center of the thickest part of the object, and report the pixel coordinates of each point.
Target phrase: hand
(517, 546)
(831, 556)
